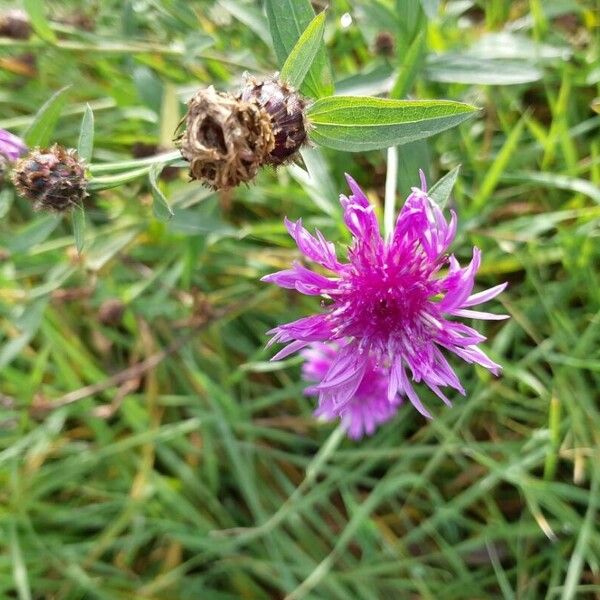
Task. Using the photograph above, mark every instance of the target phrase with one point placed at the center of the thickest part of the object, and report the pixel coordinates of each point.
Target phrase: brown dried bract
(225, 140)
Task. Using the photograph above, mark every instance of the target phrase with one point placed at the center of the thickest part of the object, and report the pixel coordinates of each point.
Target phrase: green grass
(164, 457)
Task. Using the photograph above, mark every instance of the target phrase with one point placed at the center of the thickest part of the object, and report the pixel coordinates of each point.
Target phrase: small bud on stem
(285, 107)
(53, 178)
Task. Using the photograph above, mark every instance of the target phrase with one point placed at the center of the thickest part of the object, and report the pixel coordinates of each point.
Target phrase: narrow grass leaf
(356, 124)
(586, 531)
(35, 10)
(19, 567)
(300, 59)
(40, 131)
(556, 181)
(499, 165)
(462, 68)
(85, 145)
(411, 63)
(250, 16)
(160, 207)
(431, 8)
(287, 20)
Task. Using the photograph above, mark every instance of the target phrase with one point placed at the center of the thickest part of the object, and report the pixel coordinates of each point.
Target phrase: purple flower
(11, 146)
(369, 405)
(389, 307)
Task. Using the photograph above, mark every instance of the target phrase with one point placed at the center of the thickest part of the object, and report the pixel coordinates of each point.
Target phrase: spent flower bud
(52, 178)
(225, 140)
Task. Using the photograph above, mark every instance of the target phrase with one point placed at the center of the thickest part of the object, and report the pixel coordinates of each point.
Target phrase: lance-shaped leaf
(85, 146)
(41, 129)
(287, 21)
(78, 216)
(160, 206)
(441, 190)
(356, 124)
(300, 59)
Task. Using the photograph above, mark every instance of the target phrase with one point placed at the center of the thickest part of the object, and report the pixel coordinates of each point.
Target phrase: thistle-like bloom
(369, 405)
(11, 146)
(391, 307)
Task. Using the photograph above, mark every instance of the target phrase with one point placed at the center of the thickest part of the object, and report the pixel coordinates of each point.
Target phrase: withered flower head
(53, 178)
(15, 24)
(285, 107)
(225, 140)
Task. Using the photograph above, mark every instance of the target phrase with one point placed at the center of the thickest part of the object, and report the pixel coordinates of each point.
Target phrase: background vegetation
(141, 421)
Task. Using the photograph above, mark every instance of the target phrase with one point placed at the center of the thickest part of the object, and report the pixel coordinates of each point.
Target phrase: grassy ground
(133, 446)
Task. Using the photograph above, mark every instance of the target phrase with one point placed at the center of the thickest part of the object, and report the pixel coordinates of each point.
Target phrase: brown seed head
(52, 178)
(111, 312)
(285, 107)
(385, 44)
(225, 140)
(15, 24)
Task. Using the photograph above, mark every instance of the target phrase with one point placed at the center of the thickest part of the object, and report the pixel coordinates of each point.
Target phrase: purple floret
(11, 146)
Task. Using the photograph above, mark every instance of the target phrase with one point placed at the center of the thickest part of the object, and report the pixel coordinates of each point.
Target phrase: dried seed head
(53, 178)
(225, 140)
(285, 107)
(111, 312)
(15, 24)
(384, 44)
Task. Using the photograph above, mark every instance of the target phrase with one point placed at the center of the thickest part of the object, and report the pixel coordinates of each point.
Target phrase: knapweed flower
(369, 405)
(11, 146)
(392, 307)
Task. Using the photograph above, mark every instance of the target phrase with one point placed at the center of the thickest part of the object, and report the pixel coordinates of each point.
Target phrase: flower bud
(11, 146)
(285, 108)
(225, 140)
(53, 178)
(15, 24)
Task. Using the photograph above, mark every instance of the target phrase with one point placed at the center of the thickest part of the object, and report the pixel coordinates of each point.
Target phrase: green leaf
(411, 158)
(41, 129)
(160, 207)
(356, 124)
(35, 10)
(430, 7)
(107, 182)
(301, 57)
(250, 16)
(85, 145)
(169, 115)
(441, 190)
(78, 215)
(411, 63)
(462, 68)
(287, 20)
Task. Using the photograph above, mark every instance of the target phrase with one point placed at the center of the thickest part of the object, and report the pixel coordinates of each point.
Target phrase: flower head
(225, 140)
(52, 178)
(392, 306)
(11, 146)
(369, 405)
